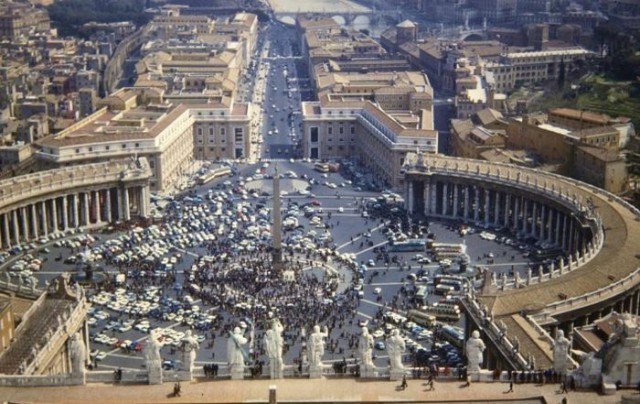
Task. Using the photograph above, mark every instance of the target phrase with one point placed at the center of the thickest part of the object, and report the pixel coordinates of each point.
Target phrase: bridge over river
(343, 11)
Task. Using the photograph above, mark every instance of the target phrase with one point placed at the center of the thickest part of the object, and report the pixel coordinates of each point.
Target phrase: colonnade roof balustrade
(614, 268)
(31, 186)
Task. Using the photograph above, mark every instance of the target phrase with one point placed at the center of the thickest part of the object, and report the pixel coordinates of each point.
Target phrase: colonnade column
(54, 213)
(507, 208)
(496, 206)
(98, 207)
(543, 227)
(5, 230)
(565, 230)
(456, 192)
(65, 213)
(425, 197)
(145, 209)
(45, 219)
(445, 198)
(34, 221)
(467, 191)
(127, 212)
(16, 230)
(557, 237)
(525, 217)
(516, 214)
(87, 216)
(487, 206)
(25, 225)
(76, 210)
(476, 203)
(108, 205)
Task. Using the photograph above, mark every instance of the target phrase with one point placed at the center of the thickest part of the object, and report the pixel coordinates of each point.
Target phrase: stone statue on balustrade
(78, 353)
(274, 342)
(395, 348)
(474, 348)
(237, 354)
(561, 347)
(190, 348)
(365, 346)
(152, 359)
(316, 350)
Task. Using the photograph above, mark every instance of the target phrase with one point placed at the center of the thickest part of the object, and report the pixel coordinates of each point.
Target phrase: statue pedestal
(237, 372)
(79, 378)
(396, 374)
(315, 372)
(368, 372)
(155, 375)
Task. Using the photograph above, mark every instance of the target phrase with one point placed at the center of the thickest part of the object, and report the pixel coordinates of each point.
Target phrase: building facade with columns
(592, 231)
(34, 205)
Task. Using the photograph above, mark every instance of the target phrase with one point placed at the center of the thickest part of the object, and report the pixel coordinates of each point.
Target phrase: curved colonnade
(35, 205)
(596, 230)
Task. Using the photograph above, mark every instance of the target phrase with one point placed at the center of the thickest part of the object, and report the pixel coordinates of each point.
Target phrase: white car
(377, 291)
(341, 209)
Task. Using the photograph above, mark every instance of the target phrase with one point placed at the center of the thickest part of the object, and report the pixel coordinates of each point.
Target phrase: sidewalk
(305, 390)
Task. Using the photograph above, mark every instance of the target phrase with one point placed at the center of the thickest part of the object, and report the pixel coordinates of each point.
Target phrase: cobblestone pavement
(301, 390)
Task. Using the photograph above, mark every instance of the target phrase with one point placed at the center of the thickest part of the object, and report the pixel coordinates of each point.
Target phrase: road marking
(371, 302)
(359, 237)
(386, 284)
(371, 248)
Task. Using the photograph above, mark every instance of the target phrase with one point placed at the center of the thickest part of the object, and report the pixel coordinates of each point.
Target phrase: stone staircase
(531, 342)
(34, 334)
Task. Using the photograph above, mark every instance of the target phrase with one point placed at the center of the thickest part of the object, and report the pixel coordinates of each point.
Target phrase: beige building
(221, 132)
(515, 69)
(163, 133)
(603, 168)
(392, 91)
(169, 135)
(334, 128)
(323, 40)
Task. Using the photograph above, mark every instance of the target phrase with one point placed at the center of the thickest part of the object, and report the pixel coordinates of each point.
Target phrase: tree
(561, 74)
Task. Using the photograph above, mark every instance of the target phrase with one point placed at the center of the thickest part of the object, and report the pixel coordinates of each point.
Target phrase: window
(341, 130)
(223, 132)
(77, 150)
(314, 134)
(210, 130)
(330, 130)
(353, 129)
(90, 148)
(199, 131)
(239, 134)
(137, 144)
(106, 147)
(124, 146)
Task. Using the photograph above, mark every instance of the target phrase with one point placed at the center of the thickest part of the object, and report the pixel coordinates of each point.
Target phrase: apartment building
(515, 69)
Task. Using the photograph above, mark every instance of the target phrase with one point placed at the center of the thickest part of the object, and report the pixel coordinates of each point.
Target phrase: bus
(414, 245)
(421, 295)
(421, 318)
(443, 311)
(213, 174)
(321, 167)
(444, 290)
(454, 335)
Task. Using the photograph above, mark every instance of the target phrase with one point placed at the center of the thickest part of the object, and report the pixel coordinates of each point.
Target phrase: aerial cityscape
(319, 201)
